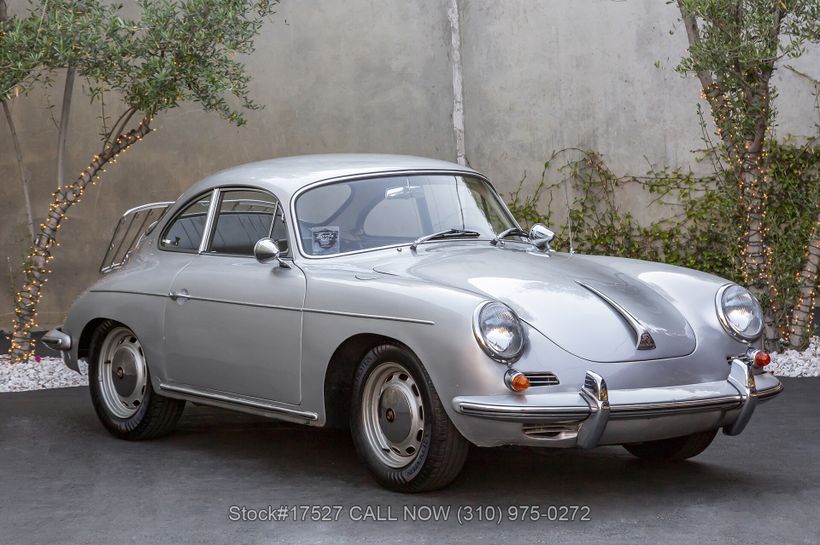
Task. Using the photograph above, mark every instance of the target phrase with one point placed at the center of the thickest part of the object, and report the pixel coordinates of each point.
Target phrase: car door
(234, 325)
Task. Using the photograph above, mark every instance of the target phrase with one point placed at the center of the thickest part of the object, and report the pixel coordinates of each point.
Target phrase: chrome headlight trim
(486, 346)
(727, 324)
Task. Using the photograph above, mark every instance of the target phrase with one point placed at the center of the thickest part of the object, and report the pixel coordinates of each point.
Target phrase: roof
(286, 175)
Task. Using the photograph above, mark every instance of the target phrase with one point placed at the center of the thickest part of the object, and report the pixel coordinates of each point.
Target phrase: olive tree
(174, 51)
(734, 48)
(8, 80)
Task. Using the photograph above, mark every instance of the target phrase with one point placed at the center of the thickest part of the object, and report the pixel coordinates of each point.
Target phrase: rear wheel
(676, 448)
(399, 426)
(120, 386)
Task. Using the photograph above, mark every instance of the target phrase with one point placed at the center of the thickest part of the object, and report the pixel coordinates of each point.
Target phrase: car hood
(586, 307)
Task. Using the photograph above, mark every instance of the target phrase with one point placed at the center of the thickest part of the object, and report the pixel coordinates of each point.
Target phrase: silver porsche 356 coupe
(399, 296)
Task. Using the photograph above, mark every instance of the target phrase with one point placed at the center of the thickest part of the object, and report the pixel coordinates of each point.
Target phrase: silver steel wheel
(121, 373)
(393, 414)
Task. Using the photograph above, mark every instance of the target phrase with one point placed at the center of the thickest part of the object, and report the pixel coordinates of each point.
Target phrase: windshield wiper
(512, 231)
(449, 233)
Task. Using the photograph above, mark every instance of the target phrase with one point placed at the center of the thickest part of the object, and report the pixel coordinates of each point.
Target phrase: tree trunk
(801, 317)
(36, 265)
(755, 252)
(18, 152)
(62, 133)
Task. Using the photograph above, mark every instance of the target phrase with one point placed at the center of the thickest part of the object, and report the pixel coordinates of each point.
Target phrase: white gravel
(792, 363)
(52, 372)
(39, 375)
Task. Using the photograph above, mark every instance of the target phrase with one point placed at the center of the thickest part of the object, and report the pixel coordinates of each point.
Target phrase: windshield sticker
(325, 240)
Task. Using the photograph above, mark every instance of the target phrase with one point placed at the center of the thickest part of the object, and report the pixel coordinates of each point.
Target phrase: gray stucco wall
(375, 75)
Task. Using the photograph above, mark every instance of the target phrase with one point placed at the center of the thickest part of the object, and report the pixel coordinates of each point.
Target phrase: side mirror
(541, 236)
(266, 250)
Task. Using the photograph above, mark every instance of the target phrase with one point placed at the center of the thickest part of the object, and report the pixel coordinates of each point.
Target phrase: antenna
(569, 217)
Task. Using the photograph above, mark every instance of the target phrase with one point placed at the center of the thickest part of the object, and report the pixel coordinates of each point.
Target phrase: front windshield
(378, 212)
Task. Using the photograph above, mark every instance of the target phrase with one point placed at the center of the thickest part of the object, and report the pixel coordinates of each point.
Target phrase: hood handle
(643, 339)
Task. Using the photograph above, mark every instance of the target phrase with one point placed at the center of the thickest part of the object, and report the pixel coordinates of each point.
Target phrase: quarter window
(245, 217)
(185, 233)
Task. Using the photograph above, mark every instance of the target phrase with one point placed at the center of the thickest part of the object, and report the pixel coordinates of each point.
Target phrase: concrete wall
(375, 75)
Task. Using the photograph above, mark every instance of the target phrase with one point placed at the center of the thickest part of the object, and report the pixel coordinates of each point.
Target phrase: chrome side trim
(643, 339)
(130, 292)
(228, 398)
(188, 296)
(370, 316)
(278, 307)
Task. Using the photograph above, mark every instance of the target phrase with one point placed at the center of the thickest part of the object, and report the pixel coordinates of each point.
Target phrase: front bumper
(596, 415)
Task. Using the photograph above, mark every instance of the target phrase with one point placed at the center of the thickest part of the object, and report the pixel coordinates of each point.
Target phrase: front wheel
(400, 429)
(676, 448)
(121, 389)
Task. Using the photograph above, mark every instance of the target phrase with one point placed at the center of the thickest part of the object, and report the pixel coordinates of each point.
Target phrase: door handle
(182, 294)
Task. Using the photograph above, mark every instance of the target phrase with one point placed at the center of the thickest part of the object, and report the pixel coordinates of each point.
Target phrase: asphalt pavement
(64, 479)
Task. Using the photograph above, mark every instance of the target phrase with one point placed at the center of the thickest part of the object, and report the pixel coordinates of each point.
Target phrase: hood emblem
(643, 340)
(646, 342)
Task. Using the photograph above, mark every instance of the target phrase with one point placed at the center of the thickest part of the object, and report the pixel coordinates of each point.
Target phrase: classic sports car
(399, 295)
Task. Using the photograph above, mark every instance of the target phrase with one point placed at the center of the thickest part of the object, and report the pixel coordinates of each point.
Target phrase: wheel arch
(84, 342)
(338, 381)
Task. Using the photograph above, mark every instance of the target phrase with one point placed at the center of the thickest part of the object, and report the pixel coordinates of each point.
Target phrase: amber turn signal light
(762, 359)
(516, 380)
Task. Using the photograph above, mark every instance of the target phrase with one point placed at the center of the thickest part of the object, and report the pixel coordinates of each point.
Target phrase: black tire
(442, 449)
(676, 448)
(156, 415)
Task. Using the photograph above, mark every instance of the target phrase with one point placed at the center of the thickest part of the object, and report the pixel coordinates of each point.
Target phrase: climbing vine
(701, 221)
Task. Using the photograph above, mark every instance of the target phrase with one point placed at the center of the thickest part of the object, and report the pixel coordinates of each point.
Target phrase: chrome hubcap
(393, 414)
(122, 374)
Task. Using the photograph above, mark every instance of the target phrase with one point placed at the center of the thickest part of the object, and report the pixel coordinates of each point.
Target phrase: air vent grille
(542, 379)
(547, 431)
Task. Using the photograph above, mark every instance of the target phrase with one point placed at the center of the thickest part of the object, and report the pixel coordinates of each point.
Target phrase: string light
(35, 266)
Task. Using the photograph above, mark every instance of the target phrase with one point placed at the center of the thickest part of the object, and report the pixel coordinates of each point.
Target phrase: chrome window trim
(209, 221)
(173, 218)
(149, 206)
(384, 174)
(225, 189)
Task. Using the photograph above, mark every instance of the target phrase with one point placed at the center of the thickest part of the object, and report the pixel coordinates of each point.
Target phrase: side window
(185, 232)
(244, 217)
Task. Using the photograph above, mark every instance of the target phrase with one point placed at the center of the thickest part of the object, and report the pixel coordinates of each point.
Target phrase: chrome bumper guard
(57, 340)
(597, 413)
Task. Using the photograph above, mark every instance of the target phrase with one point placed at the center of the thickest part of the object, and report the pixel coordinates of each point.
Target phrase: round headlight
(498, 331)
(739, 312)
